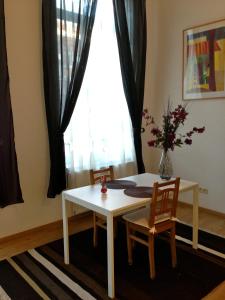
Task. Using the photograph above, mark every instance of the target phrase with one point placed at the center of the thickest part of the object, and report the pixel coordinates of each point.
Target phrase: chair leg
(129, 245)
(133, 242)
(115, 229)
(95, 229)
(151, 254)
(173, 246)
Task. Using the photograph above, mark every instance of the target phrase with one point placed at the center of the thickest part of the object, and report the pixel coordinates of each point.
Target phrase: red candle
(103, 182)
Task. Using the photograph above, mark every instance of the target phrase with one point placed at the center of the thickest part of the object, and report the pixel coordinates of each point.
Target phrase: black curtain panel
(67, 28)
(10, 191)
(130, 23)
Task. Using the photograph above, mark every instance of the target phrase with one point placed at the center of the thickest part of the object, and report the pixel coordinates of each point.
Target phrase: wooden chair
(159, 217)
(100, 220)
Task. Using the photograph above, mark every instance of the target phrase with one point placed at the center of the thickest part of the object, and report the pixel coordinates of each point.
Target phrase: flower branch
(167, 137)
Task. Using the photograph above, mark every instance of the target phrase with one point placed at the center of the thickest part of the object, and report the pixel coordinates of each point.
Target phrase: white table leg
(110, 256)
(65, 231)
(195, 216)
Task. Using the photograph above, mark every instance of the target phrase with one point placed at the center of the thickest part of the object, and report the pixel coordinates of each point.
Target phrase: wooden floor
(21, 242)
(42, 235)
(208, 220)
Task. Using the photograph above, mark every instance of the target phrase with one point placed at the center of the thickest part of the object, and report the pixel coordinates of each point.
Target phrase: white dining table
(114, 203)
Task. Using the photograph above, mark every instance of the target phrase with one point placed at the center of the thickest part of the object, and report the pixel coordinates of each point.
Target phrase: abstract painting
(204, 61)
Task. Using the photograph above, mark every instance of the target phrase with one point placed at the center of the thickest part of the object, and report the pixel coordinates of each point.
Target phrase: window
(100, 130)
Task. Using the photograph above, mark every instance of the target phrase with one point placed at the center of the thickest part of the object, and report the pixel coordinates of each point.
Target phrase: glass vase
(165, 166)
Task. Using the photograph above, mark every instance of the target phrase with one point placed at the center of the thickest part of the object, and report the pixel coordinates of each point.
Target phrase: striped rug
(41, 273)
(3, 294)
(32, 275)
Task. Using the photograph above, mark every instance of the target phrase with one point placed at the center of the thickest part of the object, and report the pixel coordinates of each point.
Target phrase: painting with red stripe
(204, 61)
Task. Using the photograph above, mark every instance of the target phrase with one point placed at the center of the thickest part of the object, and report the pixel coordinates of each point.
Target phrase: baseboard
(47, 227)
(203, 209)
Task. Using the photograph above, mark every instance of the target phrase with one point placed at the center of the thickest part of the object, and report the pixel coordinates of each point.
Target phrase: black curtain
(10, 191)
(67, 33)
(130, 23)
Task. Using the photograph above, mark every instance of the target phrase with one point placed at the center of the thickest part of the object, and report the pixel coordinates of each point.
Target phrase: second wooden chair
(100, 220)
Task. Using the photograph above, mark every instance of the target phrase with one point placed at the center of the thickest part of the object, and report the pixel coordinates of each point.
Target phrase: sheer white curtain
(100, 131)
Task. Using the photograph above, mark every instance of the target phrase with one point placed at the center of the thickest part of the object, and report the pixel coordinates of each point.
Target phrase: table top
(115, 201)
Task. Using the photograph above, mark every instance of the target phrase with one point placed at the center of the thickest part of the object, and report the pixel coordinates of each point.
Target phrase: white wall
(23, 32)
(204, 161)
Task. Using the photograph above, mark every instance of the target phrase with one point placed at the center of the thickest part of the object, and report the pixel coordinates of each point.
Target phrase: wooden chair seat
(141, 217)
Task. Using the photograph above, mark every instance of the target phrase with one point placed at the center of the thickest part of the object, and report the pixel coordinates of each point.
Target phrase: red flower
(188, 141)
(151, 143)
(155, 131)
(189, 134)
(200, 130)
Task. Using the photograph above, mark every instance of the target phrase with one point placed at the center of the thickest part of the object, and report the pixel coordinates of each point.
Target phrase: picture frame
(204, 61)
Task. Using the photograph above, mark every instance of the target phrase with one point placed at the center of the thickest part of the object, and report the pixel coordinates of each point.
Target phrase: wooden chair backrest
(164, 201)
(95, 175)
